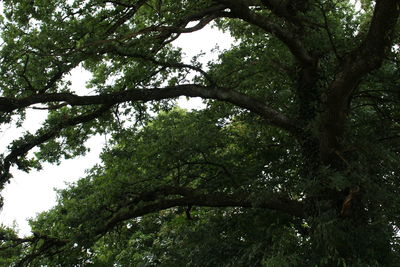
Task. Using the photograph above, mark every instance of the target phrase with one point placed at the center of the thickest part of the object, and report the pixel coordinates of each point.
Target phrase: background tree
(293, 162)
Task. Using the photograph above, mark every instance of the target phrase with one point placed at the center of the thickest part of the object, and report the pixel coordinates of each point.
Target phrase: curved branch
(272, 116)
(156, 200)
(21, 150)
(240, 9)
(364, 59)
(191, 197)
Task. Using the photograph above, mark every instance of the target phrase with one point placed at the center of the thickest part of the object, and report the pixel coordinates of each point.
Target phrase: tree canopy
(294, 160)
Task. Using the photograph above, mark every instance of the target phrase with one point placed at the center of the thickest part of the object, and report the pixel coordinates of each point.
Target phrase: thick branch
(190, 90)
(189, 196)
(366, 58)
(240, 9)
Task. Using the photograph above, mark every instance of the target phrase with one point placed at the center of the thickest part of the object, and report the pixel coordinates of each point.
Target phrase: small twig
(328, 31)
(51, 107)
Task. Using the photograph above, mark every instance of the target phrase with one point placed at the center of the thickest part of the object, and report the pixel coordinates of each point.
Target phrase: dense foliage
(294, 161)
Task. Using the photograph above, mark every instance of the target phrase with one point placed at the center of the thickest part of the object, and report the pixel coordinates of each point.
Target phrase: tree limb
(158, 201)
(273, 117)
(29, 143)
(364, 59)
(240, 9)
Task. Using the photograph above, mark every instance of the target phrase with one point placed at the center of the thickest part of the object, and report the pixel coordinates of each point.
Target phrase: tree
(293, 162)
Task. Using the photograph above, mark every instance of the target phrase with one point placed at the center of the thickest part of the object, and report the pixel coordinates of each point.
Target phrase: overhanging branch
(158, 199)
(272, 116)
(190, 197)
(23, 148)
(166, 197)
(240, 9)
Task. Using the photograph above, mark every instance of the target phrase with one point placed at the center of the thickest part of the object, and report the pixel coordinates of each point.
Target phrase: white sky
(30, 194)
